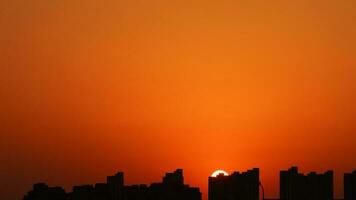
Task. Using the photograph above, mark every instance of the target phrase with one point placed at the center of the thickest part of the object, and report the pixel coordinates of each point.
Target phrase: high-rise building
(236, 186)
(350, 186)
(116, 186)
(175, 178)
(296, 186)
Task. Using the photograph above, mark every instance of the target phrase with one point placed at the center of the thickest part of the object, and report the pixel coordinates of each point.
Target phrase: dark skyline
(172, 187)
(221, 186)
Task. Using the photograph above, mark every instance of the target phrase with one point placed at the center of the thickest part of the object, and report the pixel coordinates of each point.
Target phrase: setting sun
(218, 172)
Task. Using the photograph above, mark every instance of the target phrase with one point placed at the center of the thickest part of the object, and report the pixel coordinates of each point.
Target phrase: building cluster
(172, 187)
(313, 186)
(236, 186)
(293, 186)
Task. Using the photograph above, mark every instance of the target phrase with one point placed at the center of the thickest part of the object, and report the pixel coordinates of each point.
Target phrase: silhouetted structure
(175, 178)
(41, 191)
(236, 186)
(115, 186)
(171, 188)
(350, 186)
(296, 186)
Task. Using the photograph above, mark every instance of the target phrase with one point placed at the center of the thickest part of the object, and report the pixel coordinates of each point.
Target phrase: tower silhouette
(350, 186)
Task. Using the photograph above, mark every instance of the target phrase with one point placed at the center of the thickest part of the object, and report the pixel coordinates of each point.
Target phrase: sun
(218, 172)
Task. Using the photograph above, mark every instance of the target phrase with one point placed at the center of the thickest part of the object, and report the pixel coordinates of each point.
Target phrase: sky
(88, 88)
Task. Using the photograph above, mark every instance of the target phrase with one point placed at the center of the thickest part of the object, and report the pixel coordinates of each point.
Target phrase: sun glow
(218, 172)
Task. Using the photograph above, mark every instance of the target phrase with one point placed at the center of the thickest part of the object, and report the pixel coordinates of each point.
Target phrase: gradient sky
(91, 87)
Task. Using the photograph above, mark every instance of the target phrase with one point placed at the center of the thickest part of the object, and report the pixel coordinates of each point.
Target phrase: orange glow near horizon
(88, 88)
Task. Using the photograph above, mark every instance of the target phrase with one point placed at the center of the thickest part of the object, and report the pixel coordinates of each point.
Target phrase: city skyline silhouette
(221, 186)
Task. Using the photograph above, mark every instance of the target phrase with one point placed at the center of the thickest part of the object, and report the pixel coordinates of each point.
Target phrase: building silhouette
(236, 186)
(350, 186)
(175, 178)
(41, 191)
(115, 186)
(82, 192)
(296, 186)
(172, 187)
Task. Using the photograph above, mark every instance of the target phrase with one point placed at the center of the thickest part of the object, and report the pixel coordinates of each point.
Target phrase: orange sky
(90, 87)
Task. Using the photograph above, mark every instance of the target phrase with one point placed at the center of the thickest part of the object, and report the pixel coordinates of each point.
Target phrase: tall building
(116, 186)
(296, 186)
(236, 186)
(175, 178)
(350, 186)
